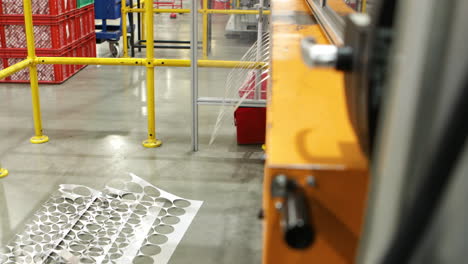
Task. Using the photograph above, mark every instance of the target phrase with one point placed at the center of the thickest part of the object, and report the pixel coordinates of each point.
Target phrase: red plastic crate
(50, 32)
(39, 7)
(250, 125)
(51, 74)
(84, 20)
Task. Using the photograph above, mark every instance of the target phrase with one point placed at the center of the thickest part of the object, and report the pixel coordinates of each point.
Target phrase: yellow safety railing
(149, 62)
(204, 11)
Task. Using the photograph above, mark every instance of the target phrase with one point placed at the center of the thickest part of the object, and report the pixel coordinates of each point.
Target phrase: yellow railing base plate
(3, 173)
(39, 139)
(152, 143)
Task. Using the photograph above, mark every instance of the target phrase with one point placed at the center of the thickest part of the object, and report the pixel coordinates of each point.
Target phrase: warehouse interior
(285, 131)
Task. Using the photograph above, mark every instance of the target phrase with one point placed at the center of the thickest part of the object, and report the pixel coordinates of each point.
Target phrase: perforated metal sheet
(131, 221)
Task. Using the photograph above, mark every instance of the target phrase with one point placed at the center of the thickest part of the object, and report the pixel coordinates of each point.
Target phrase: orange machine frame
(309, 135)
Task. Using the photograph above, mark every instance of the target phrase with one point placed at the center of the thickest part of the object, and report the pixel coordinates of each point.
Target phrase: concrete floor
(96, 122)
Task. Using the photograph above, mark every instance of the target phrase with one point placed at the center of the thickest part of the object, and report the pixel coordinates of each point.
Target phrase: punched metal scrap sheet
(130, 221)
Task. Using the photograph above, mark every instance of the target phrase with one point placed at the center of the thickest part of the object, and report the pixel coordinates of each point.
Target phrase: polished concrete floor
(96, 122)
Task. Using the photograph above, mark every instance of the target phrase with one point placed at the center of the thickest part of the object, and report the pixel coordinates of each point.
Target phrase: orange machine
(310, 147)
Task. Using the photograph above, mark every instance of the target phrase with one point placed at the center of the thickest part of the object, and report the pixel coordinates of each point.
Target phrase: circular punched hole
(146, 198)
(46, 238)
(140, 207)
(143, 260)
(53, 219)
(156, 222)
(116, 256)
(100, 218)
(104, 240)
(140, 212)
(95, 251)
(77, 247)
(170, 220)
(111, 232)
(115, 218)
(165, 202)
(60, 200)
(87, 260)
(176, 211)
(36, 238)
(151, 191)
(83, 191)
(123, 245)
(68, 200)
(55, 228)
(127, 230)
(63, 219)
(121, 239)
(115, 204)
(114, 249)
(129, 197)
(92, 227)
(134, 187)
(181, 203)
(134, 221)
(44, 228)
(162, 212)
(38, 248)
(51, 208)
(164, 229)
(79, 201)
(150, 250)
(43, 218)
(157, 239)
(85, 236)
(28, 249)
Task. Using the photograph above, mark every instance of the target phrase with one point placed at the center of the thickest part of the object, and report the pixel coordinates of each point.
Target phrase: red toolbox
(49, 74)
(39, 7)
(250, 125)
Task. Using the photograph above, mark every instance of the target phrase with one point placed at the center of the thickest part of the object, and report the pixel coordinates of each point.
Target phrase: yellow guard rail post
(151, 142)
(123, 22)
(3, 172)
(205, 29)
(38, 137)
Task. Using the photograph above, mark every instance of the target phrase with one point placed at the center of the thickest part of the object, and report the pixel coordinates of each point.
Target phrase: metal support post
(258, 85)
(38, 137)
(205, 27)
(151, 142)
(194, 68)
(124, 28)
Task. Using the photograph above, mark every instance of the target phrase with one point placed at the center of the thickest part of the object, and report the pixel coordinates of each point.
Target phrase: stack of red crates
(60, 30)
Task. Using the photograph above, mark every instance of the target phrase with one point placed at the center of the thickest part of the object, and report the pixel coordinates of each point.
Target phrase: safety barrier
(204, 11)
(149, 62)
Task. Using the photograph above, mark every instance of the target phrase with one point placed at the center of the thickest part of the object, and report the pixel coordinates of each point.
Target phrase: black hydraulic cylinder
(296, 220)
